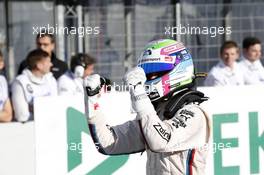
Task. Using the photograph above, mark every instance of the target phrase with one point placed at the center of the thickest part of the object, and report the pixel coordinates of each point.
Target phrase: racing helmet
(168, 66)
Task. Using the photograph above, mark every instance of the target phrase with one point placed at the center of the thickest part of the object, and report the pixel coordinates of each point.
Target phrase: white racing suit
(174, 147)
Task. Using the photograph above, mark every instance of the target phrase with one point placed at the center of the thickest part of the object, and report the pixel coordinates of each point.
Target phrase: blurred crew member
(5, 105)
(46, 42)
(227, 71)
(35, 81)
(71, 83)
(250, 64)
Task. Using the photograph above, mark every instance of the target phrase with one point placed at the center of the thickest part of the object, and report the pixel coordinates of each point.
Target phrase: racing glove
(141, 103)
(92, 87)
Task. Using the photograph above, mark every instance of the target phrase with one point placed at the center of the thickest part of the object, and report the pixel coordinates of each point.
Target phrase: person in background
(35, 81)
(5, 104)
(71, 82)
(253, 71)
(227, 71)
(2, 64)
(46, 42)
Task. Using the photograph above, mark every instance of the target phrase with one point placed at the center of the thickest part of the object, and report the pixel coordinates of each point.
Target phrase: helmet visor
(165, 63)
(156, 67)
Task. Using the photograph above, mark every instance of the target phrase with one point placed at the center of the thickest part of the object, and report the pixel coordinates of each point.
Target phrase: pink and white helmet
(168, 67)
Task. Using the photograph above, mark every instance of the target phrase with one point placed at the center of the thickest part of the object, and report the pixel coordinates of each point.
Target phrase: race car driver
(170, 125)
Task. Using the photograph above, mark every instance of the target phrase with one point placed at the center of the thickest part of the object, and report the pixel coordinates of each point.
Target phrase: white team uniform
(26, 87)
(3, 91)
(222, 75)
(174, 147)
(253, 72)
(68, 84)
